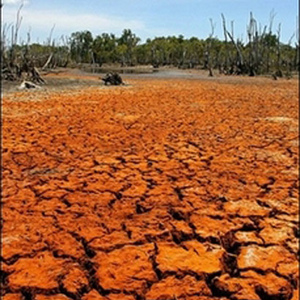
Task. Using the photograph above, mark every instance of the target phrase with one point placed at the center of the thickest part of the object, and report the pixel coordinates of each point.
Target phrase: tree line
(263, 53)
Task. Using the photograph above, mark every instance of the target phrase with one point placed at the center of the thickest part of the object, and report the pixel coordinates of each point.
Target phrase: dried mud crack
(162, 189)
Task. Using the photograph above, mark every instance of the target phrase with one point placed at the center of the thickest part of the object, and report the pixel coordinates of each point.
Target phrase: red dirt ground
(160, 189)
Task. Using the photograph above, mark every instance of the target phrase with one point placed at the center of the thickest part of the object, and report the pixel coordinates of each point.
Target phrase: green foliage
(81, 45)
(127, 44)
(104, 48)
(262, 54)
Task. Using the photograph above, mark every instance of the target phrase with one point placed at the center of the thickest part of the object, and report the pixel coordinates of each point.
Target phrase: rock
(247, 237)
(171, 287)
(125, 269)
(198, 258)
(75, 280)
(24, 236)
(253, 286)
(88, 226)
(296, 295)
(207, 227)
(144, 227)
(231, 241)
(201, 298)
(245, 208)
(91, 200)
(94, 295)
(293, 245)
(111, 241)
(40, 272)
(136, 189)
(180, 231)
(263, 258)
(52, 297)
(270, 286)
(236, 288)
(12, 297)
(276, 235)
(44, 272)
(64, 244)
(119, 297)
(289, 269)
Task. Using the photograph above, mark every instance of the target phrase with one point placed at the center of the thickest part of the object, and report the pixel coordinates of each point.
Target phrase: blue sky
(147, 18)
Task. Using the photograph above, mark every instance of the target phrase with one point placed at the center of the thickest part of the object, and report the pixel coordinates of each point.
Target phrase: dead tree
(226, 63)
(278, 54)
(15, 58)
(297, 46)
(269, 47)
(10, 68)
(208, 59)
(252, 36)
(239, 64)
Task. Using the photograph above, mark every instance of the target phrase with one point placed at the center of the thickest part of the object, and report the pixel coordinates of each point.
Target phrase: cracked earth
(158, 190)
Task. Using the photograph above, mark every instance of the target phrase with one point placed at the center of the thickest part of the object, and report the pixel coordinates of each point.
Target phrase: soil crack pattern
(158, 190)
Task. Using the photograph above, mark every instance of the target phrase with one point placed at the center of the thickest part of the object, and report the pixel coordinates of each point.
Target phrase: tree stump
(112, 79)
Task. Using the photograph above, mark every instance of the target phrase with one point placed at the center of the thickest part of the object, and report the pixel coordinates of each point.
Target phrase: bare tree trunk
(253, 40)
(36, 77)
(48, 61)
(272, 16)
(208, 53)
(297, 45)
(278, 62)
(225, 69)
(240, 59)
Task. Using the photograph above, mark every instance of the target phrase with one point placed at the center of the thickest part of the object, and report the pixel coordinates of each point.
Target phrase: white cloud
(14, 2)
(66, 23)
(78, 22)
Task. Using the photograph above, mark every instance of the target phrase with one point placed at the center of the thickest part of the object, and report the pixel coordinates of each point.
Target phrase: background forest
(262, 53)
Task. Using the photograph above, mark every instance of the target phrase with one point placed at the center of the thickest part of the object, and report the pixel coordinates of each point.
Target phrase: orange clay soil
(157, 190)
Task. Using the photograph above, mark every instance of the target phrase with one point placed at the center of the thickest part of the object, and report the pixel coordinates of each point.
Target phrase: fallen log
(35, 76)
(28, 85)
(47, 62)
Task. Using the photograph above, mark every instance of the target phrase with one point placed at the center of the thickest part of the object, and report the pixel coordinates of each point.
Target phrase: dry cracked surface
(159, 190)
